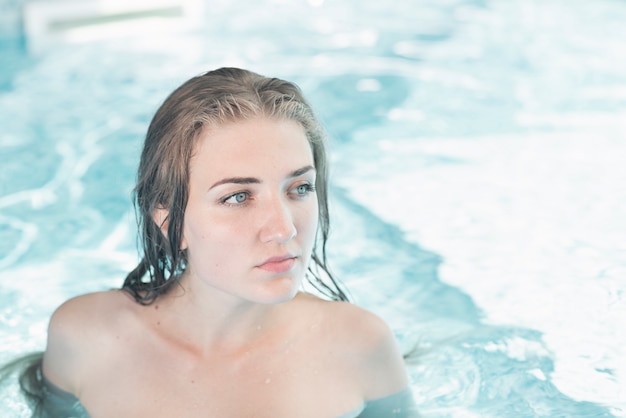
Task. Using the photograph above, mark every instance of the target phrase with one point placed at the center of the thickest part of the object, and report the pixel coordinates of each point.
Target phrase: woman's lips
(278, 264)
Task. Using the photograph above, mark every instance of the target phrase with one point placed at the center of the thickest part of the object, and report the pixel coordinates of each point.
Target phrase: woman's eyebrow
(254, 180)
(236, 180)
(301, 171)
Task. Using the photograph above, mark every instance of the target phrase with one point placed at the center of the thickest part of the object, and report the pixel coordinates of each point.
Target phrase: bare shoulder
(367, 340)
(88, 314)
(350, 323)
(78, 330)
(89, 305)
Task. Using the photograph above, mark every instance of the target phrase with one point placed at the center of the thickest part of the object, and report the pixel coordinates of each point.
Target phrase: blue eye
(303, 190)
(236, 198)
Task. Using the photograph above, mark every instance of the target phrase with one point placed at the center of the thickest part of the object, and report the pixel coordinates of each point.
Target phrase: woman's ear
(160, 216)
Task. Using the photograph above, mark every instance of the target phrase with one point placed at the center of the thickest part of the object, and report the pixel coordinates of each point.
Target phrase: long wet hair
(212, 99)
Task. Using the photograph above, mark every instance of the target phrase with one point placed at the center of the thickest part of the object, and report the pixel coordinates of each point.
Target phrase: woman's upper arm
(376, 363)
(384, 368)
(66, 343)
(387, 392)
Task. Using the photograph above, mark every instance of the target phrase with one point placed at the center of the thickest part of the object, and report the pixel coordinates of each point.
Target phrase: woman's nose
(278, 223)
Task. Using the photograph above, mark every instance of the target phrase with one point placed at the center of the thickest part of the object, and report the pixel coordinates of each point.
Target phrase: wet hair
(212, 99)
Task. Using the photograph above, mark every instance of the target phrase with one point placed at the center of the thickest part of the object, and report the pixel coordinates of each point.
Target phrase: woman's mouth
(280, 264)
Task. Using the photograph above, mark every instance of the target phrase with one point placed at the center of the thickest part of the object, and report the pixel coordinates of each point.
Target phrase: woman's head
(205, 102)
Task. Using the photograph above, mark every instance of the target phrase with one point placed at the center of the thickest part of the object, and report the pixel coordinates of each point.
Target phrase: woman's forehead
(252, 144)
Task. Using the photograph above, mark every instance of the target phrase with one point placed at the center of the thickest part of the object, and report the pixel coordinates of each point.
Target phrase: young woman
(232, 202)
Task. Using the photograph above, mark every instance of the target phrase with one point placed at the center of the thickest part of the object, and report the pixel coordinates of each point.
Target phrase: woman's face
(252, 213)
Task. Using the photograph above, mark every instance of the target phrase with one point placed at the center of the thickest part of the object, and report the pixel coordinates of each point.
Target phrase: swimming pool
(478, 152)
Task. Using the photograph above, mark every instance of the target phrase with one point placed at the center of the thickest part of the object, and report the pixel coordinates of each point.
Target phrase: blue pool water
(478, 155)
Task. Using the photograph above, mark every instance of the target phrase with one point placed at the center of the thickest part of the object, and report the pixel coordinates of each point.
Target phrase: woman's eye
(237, 198)
(303, 189)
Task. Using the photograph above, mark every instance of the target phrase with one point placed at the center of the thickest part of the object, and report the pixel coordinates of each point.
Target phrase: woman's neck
(209, 319)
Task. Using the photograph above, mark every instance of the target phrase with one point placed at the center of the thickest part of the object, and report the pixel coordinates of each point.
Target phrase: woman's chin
(279, 290)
